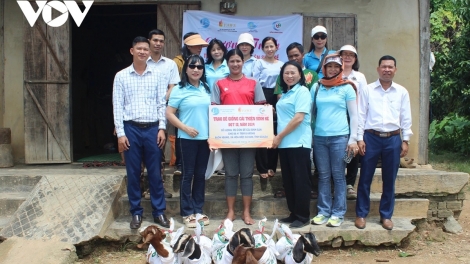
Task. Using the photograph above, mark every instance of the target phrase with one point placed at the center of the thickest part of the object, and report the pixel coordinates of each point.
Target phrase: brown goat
(247, 254)
(154, 235)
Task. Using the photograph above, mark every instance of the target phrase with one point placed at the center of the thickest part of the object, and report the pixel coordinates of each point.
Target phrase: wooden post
(424, 81)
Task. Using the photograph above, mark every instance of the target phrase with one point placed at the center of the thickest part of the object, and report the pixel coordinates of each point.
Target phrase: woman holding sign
(294, 140)
(191, 97)
(237, 89)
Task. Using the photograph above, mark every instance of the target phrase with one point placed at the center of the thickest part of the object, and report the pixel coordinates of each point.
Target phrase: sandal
(189, 221)
(313, 195)
(204, 218)
(280, 193)
(271, 173)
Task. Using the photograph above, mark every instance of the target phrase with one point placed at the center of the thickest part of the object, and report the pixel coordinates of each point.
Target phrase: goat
(307, 243)
(159, 250)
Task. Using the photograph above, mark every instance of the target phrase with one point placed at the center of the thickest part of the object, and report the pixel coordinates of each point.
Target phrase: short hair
(295, 45)
(233, 52)
(266, 39)
(388, 57)
(155, 32)
(355, 66)
(192, 59)
(140, 39)
(252, 48)
(212, 43)
(282, 83)
(184, 50)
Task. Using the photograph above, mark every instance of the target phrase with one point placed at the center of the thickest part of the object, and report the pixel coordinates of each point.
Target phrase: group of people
(320, 102)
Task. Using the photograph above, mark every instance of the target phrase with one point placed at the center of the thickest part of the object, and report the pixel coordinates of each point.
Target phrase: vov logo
(64, 7)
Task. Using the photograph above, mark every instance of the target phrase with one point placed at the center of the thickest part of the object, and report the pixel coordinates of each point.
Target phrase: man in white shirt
(384, 115)
(166, 66)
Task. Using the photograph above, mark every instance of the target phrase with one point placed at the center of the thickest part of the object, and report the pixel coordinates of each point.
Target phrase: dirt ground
(428, 244)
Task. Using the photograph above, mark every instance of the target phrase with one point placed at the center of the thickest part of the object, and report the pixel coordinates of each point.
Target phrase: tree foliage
(450, 79)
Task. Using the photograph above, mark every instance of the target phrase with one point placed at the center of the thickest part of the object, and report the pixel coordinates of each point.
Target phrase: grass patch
(449, 161)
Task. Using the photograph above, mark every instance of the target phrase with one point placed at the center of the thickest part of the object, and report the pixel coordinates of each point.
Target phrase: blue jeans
(329, 152)
(194, 158)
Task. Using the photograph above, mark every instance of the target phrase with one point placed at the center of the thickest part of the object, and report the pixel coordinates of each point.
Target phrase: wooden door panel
(341, 29)
(46, 94)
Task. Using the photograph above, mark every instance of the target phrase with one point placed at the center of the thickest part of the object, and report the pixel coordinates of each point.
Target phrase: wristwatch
(406, 141)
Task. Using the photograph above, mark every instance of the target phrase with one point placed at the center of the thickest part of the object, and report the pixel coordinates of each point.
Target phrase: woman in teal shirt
(191, 97)
(216, 66)
(294, 140)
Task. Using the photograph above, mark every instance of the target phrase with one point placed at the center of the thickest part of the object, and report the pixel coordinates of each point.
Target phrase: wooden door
(342, 29)
(47, 93)
(170, 21)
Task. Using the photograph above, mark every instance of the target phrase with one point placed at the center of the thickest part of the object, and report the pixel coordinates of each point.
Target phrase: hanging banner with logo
(241, 126)
(227, 28)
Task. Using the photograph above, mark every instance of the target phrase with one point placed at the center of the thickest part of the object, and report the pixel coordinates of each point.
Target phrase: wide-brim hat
(246, 38)
(195, 40)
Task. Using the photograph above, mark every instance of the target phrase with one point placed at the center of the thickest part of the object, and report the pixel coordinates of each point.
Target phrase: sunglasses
(193, 66)
(316, 36)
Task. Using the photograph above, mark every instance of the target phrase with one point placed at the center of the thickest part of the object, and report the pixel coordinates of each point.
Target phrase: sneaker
(319, 219)
(350, 193)
(177, 170)
(334, 221)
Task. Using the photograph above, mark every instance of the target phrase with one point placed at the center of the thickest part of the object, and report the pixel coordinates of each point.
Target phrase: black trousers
(295, 166)
(266, 159)
(351, 170)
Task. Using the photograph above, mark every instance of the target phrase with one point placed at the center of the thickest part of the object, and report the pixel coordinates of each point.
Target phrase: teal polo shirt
(296, 100)
(213, 75)
(332, 110)
(193, 108)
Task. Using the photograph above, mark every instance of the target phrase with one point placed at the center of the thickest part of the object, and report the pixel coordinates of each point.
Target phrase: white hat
(246, 38)
(318, 29)
(336, 59)
(348, 48)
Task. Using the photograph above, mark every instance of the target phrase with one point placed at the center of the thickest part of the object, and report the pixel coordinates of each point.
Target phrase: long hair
(312, 46)
(281, 75)
(212, 43)
(192, 59)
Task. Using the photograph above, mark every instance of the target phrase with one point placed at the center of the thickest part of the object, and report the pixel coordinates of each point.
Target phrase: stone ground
(429, 243)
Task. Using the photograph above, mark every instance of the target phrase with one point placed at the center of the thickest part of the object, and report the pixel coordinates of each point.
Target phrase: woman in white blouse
(266, 71)
(351, 72)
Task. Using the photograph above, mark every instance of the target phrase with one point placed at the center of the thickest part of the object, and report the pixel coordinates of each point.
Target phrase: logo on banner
(63, 7)
(205, 23)
(251, 25)
(215, 111)
(277, 25)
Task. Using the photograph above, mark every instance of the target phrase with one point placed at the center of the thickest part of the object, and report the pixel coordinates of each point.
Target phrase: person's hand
(362, 147)
(276, 142)
(404, 149)
(161, 138)
(191, 131)
(123, 143)
(354, 148)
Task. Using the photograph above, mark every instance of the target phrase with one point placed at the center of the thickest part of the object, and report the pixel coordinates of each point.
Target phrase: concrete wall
(384, 27)
(2, 105)
(14, 54)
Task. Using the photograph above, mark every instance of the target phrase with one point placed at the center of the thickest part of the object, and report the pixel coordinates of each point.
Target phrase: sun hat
(195, 40)
(348, 48)
(246, 38)
(318, 29)
(335, 58)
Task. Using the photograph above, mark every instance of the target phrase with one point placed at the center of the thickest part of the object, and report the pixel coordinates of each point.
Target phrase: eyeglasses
(317, 37)
(193, 66)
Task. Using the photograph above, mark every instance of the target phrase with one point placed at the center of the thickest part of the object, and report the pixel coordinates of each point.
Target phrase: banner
(240, 126)
(227, 28)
